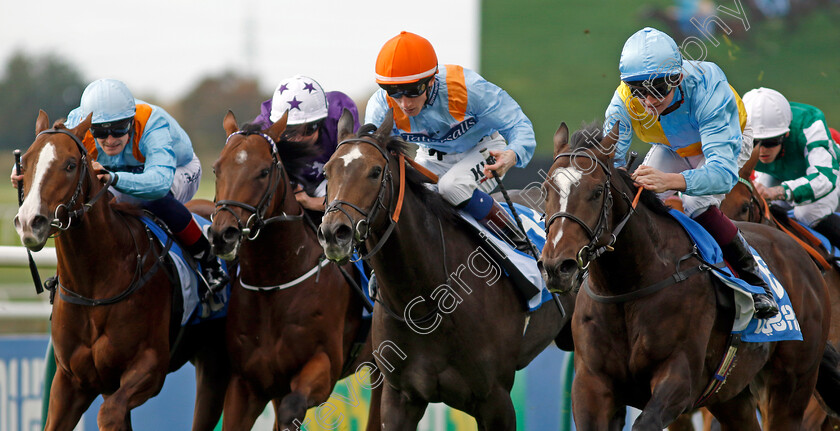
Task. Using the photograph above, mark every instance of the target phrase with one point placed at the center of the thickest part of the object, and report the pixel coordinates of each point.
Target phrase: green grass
(559, 60)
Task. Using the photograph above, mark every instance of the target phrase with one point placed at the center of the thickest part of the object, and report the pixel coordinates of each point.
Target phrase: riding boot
(829, 226)
(737, 253)
(211, 269)
(501, 223)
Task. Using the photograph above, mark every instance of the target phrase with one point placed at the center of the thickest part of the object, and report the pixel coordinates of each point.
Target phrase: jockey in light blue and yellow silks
(700, 136)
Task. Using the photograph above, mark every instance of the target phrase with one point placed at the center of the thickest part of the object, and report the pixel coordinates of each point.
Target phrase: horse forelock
(294, 155)
(588, 136)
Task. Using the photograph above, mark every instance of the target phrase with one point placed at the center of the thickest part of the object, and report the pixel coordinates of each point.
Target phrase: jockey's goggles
(770, 142)
(413, 89)
(658, 88)
(116, 129)
(306, 129)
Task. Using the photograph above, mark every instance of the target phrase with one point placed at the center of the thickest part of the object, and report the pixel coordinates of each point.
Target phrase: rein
(252, 227)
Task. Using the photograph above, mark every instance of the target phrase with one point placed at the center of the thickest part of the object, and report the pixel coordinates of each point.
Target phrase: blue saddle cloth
(188, 277)
(783, 326)
(834, 251)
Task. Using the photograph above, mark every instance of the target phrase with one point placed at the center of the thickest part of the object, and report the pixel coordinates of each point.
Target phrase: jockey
(798, 161)
(313, 118)
(698, 129)
(452, 113)
(150, 161)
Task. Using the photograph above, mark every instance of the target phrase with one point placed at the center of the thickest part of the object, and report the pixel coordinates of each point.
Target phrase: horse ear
(749, 166)
(561, 139)
(229, 123)
(609, 141)
(345, 125)
(279, 126)
(83, 127)
(383, 133)
(42, 123)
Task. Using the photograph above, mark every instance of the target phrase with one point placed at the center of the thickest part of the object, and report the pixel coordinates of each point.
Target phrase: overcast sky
(163, 47)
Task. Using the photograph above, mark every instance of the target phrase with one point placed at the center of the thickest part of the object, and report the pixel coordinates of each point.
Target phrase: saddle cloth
(783, 326)
(833, 250)
(188, 278)
(523, 262)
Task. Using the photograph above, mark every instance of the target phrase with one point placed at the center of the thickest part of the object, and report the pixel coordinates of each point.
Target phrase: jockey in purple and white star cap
(313, 118)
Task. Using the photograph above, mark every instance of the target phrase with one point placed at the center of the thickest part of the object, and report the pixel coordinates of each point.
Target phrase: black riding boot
(211, 269)
(502, 224)
(737, 253)
(830, 227)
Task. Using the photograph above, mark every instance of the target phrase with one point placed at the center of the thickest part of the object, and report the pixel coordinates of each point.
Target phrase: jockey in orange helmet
(452, 113)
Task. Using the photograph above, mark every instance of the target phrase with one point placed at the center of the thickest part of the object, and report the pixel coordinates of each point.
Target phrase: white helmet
(109, 100)
(303, 97)
(768, 111)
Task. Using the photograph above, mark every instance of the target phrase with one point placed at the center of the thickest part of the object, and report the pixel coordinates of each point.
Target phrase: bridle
(361, 228)
(592, 251)
(74, 216)
(755, 202)
(252, 227)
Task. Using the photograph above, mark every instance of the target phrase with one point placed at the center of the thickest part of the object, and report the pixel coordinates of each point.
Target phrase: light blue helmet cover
(109, 100)
(648, 54)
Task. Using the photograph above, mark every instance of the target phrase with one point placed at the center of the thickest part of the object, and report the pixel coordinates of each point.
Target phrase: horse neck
(286, 242)
(647, 240)
(413, 255)
(99, 246)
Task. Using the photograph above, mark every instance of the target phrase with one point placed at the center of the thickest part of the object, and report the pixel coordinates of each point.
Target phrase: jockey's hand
(101, 173)
(771, 193)
(15, 177)
(308, 202)
(657, 181)
(505, 159)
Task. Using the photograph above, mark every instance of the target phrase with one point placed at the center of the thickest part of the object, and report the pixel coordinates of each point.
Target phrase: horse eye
(375, 172)
(597, 193)
(70, 167)
(263, 173)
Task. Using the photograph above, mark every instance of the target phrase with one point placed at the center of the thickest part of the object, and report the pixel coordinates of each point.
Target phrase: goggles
(116, 129)
(658, 88)
(306, 129)
(414, 89)
(769, 142)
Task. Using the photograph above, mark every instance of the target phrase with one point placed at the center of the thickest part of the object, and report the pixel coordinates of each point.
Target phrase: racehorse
(455, 330)
(113, 324)
(744, 203)
(292, 318)
(644, 341)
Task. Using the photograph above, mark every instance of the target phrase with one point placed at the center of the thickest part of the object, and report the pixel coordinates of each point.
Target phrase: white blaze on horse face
(354, 154)
(564, 179)
(32, 204)
(241, 157)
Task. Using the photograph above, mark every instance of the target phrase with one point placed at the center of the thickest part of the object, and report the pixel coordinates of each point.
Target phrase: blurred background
(198, 59)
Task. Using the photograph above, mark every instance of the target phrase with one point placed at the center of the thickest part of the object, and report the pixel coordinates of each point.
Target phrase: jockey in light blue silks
(699, 132)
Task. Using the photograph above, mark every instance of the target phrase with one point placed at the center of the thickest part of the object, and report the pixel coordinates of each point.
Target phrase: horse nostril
(230, 234)
(39, 222)
(567, 266)
(343, 233)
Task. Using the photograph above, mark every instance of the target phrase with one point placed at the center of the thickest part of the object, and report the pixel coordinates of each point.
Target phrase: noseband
(74, 216)
(592, 251)
(251, 228)
(361, 228)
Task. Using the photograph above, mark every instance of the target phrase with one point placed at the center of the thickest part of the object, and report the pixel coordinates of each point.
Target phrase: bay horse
(455, 330)
(292, 319)
(744, 203)
(654, 346)
(113, 327)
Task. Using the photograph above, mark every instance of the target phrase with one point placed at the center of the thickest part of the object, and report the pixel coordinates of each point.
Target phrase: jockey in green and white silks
(699, 132)
(798, 160)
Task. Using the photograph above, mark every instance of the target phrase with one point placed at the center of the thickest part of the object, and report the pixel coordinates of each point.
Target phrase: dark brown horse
(292, 319)
(744, 203)
(112, 325)
(656, 346)
(447, 327)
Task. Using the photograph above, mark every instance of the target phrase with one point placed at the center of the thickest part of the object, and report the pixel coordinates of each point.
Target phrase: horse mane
(414, 179)
(587, 137)
(294, 155)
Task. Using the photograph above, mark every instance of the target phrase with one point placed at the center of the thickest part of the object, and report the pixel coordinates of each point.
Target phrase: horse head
(252, 183)
(358, 175)
(58, 178)
(743, 202)
(578, 193)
